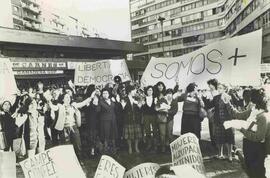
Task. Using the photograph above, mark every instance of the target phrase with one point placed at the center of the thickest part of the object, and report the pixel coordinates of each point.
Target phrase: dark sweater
(189, 107)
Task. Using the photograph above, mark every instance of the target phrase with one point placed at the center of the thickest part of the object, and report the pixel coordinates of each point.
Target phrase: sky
(110, 17)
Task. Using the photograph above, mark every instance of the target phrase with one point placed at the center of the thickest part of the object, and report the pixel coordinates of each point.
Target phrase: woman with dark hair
(256, 142)
(132, 117)
(149, 119)
(108, 126)
(69, 120)
(191, 121)
(7, 123)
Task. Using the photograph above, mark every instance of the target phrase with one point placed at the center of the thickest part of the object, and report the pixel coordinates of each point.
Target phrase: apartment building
(35, 15)
(175, 27)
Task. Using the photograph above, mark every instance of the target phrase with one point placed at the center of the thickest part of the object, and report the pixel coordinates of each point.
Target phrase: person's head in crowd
(192, 89)
(6, 105)
(55, 94)
(221, 88)
(30, 90)
(149, 90)
(66, 99)
(68, 90)
(117, 80)
(40, 86)
(160, 88)
(257, 97)
(105, 93)
(131, 90)
(29, 105)
(169, 94)
(246, 95)
(164, 170)
(212, 83)
(267, 81)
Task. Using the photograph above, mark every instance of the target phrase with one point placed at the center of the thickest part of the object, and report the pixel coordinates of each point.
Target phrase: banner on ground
(186, 150)
(8, 85)
(7, 164)
(109, 168)
(145, 170)
(234, 61)
(100, 72)
(57, 162)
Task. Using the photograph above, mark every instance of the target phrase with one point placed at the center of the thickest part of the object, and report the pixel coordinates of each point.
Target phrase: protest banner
(100, 72)
(145, 170)
(8, 85)
(109, 168)
(186, 150)
(57, 162)
(7, 164)
(234, 61)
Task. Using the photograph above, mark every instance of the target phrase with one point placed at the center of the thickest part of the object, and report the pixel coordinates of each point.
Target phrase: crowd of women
(126, 113)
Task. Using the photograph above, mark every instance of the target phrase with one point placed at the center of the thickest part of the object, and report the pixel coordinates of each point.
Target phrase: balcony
(31, 8)
(31, 26)
(30, 2)
(31, 18)
(59, 21)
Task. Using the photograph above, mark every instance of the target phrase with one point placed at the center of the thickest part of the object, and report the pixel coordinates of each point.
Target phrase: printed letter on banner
(234, 61)
(8, 85)
(57, 162)
(145, 170)
(186, 150)
(109, 168)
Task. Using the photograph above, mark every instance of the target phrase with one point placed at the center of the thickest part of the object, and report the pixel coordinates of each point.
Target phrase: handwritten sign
(109, 168)
(186, 150)
(145, 170)
(7, 164)
(100, 72)
(233, 61)
(8, 85)
(57, 162)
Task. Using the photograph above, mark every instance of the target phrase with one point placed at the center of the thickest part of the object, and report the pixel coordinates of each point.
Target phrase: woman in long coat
(108, 125)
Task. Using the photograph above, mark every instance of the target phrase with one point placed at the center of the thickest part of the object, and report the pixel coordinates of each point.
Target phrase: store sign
(43, 65)
(38, 72)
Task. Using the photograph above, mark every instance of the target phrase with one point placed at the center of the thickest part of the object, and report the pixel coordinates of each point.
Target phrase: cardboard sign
(186, 170)
(145, 170)
(7, 164)
(100, 72)
(57, 162)
(8, 85)
(186, 150)
(235, 61)
(109, 168)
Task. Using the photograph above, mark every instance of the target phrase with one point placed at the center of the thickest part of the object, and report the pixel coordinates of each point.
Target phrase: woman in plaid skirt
(222, 113)
(132, 118)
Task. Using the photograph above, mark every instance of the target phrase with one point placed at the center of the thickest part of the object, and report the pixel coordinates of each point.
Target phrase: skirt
(108, 130)
(191, 124)
(222, 136)
(132, 131)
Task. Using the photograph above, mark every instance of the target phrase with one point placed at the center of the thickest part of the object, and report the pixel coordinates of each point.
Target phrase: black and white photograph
(135, 89)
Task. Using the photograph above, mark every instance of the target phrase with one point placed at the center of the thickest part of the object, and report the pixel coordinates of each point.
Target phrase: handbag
(3, 140)
(19, 145)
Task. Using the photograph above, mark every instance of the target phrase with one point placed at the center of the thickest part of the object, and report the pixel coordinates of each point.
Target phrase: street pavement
(214, 167)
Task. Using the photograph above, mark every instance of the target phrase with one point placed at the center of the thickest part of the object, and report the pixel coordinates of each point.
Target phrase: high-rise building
(175, 27)
(35, 15)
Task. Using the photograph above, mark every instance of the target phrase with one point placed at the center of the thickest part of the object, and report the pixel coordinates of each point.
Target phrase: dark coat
(106, 111)
(131, 113)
